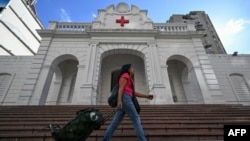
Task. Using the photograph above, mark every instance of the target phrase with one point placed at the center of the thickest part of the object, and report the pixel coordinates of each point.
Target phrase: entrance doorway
(110, 69)
(183, 81)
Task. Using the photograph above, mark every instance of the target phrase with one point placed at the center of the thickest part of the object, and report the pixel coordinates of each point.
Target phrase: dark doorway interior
(114, 78)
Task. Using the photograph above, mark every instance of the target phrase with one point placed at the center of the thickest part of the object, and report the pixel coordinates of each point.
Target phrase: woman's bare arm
(148, 96)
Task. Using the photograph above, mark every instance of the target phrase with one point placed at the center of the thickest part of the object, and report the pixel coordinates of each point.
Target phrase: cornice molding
(91, 33)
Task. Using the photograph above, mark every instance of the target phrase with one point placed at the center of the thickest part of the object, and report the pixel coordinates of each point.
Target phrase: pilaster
(165, 79)
(87, 92)
(158, 88)
(154, 63)
(33, 76)
(207, 79)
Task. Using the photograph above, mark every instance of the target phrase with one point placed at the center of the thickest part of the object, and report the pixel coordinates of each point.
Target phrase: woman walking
(125, 104)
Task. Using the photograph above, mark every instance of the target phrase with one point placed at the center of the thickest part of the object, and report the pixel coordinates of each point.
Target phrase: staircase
(160, 122)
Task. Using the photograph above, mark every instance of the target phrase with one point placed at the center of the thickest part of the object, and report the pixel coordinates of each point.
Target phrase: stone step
(160, 122)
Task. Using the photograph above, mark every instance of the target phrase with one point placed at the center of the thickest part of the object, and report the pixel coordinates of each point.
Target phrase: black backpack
(80, 127)
(112, 99)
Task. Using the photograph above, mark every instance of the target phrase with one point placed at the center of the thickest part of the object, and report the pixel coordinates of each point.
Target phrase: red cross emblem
(122, 21)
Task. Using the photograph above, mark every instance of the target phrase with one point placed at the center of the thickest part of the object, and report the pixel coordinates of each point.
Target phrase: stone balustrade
(69, 26)
(163, 27)
(175, 27)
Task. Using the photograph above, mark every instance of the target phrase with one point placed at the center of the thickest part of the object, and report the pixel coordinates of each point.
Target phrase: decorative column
(53, 95)
(166, 82)
(78, 96)
(154, 63)
(87, 89)
(158, 89)
(55, 87)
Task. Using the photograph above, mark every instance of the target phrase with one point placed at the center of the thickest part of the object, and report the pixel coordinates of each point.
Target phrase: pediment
(122, 16)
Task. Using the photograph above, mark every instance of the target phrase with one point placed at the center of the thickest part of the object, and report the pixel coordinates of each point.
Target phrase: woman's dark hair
(124, 69)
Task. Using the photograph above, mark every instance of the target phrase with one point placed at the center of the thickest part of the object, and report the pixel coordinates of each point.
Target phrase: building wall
(18, 25)
(211, 41)
(192, 53)
(17, 68)
(74, 62)
(157, 77)
(63, 46)
(226, 65)
(54, 51)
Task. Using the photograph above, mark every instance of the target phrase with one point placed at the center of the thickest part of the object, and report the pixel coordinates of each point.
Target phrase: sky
(230, 18)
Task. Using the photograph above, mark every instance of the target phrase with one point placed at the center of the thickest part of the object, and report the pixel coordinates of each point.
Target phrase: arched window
(241, 87)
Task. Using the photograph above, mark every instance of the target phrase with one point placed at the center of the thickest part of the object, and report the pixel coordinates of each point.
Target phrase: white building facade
(77, 64)
(18, 25)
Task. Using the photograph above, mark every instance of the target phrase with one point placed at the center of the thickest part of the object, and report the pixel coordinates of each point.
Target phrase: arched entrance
(60, 82)
(110, 68)
(183, 81)
(175, 70)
